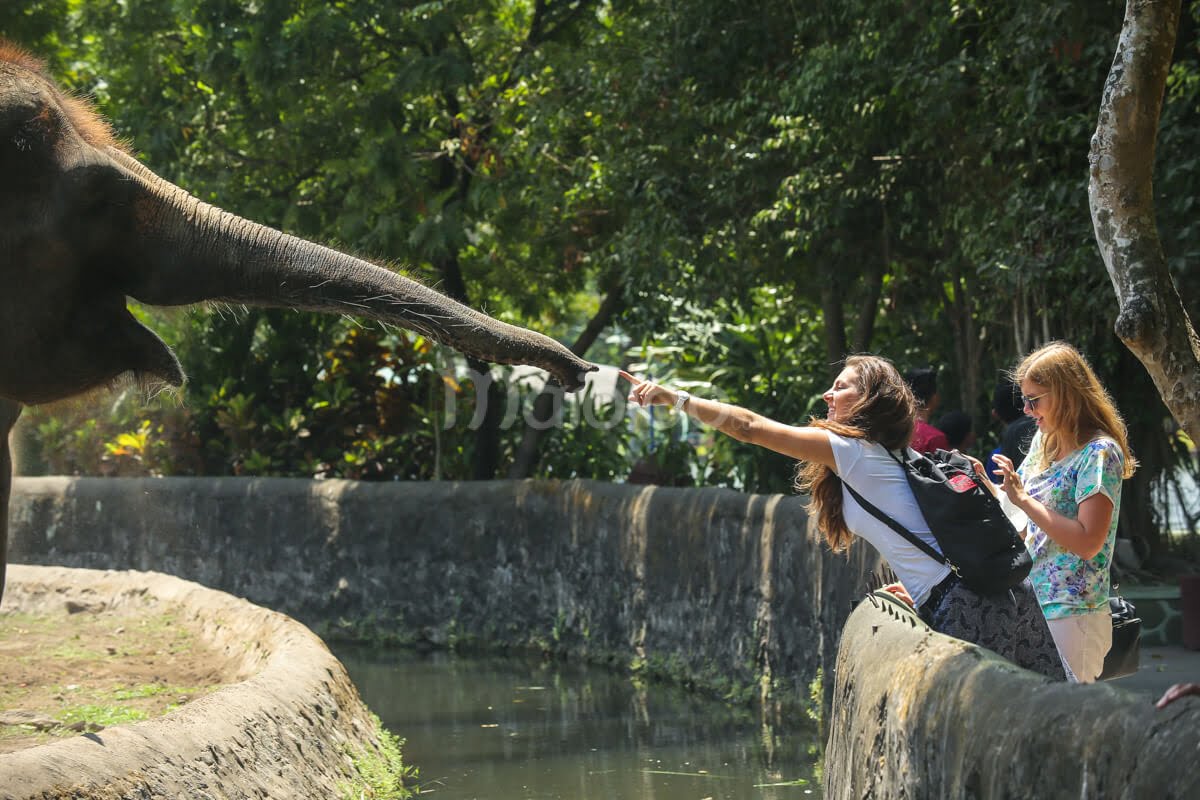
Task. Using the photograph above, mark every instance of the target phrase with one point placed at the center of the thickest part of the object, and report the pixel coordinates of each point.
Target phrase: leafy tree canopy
(761, 186)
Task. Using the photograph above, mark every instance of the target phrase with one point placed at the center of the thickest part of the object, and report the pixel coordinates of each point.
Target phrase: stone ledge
(919, 714)
(1149, 591)
(721, 590)
(285, 730)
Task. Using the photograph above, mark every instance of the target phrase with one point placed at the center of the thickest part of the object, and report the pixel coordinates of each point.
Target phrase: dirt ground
(82, 670)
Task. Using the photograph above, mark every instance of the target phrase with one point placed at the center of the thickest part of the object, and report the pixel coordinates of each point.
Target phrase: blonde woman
(1070, 487)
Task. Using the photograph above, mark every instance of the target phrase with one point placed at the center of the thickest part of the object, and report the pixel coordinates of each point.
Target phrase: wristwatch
(681, 398)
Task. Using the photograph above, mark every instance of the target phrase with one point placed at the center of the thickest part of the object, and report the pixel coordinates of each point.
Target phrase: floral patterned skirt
(1010, 624)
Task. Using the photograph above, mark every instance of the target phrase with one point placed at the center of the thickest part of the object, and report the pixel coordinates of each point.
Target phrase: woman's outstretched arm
(804, 443)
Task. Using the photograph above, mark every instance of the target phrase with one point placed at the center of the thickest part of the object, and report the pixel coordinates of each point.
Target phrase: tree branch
(1152, 320)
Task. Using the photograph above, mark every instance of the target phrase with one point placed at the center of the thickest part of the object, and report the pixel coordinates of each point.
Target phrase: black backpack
(978, 542)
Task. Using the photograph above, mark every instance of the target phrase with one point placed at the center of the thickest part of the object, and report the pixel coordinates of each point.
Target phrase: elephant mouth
(154, 380)
(146, 383)
(151, 363)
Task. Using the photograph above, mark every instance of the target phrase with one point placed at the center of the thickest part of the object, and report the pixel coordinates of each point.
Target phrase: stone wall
(717, 587)
(288, 728)
(918, 714)
(721, 589)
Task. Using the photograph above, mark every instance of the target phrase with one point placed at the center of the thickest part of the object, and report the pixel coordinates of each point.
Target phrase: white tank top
(875, 475)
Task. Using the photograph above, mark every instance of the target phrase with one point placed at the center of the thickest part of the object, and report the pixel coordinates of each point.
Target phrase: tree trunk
(864, 326)
(1152, 320)
(486, 458)
(526, 457)
(968, 350)
(835, 318)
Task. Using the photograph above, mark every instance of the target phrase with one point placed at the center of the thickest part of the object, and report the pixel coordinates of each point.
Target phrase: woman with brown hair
(871, 415)
(1070, 487)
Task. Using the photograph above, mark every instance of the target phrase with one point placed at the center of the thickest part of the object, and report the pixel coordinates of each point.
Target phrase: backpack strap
(920, 543)
(906, 455)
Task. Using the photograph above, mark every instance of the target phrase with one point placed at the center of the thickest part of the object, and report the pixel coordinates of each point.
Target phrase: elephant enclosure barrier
(720, 590)
(292, 725)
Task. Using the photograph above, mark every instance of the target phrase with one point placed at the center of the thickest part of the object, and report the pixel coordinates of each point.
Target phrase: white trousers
(1083, 640)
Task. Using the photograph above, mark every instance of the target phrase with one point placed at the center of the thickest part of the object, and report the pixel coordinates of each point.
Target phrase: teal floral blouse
(1065, 583)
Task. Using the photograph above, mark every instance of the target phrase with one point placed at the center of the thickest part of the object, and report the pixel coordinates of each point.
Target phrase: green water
(511, 729)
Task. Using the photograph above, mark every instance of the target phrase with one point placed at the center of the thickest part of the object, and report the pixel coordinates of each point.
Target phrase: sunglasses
(1032, 402)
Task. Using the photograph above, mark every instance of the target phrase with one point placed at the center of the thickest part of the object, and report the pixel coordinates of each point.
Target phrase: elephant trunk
(193, 252)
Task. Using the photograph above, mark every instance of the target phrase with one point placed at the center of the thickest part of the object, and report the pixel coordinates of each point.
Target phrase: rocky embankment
(290, 725)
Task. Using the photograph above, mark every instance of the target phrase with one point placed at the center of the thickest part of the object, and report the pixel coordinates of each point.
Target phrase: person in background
(958, 429)
(871, 414)
(1018, 428)
(1070, 487)
(926, 438)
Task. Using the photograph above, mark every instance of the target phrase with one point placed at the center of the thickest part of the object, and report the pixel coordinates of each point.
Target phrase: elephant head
(84, 227)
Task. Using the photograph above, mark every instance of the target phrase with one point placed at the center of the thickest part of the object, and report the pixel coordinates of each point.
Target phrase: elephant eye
(40, 128)
(99, 189)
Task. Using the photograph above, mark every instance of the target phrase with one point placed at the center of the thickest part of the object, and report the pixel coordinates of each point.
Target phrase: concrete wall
(286, 729)
(918, 714)
(716, 587)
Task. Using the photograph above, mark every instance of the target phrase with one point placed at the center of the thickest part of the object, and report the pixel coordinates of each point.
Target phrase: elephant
(85, 226)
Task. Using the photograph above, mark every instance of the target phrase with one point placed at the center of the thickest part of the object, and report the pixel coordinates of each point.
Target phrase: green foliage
(100, 716)
(816, 696)
(1178, 168)
(593, 441)
(766, 187)
(752, 355)
(135, 438)
(382, 774)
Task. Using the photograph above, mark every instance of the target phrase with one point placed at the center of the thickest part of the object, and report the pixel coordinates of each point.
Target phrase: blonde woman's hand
(980, 473)
(1011, 482)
